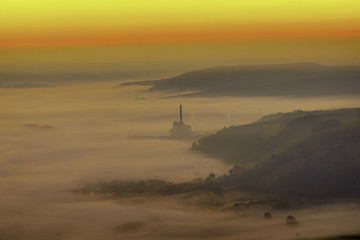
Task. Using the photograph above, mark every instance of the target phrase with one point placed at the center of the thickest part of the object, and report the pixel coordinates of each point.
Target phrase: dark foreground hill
(295, 79)
(313, 154)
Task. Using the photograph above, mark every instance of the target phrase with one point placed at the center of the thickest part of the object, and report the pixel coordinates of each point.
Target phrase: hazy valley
(69, 152)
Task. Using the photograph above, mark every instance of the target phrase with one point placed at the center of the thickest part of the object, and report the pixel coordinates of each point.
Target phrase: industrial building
(180, 130)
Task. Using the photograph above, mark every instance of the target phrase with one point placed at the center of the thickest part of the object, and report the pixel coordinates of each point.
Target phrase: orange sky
(44, 32)
(78, 22)
(328, 29)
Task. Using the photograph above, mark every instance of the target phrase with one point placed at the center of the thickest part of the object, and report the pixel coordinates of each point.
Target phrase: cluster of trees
(159, 187)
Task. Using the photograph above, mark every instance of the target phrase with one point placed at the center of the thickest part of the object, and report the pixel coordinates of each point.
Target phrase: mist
(100, 132)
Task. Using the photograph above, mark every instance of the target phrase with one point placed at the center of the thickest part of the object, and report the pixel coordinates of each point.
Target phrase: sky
(134, 21)
(325, 31)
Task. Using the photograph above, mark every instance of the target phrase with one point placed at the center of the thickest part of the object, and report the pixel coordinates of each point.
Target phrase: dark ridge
(293, 79)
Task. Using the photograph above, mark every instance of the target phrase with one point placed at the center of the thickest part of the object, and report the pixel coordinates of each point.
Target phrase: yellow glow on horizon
(25, 22)
(131, 13)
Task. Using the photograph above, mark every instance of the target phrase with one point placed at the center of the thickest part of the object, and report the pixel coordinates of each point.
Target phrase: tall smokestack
(181, 114)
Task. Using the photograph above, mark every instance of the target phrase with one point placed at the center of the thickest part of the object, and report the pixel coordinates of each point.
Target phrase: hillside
(295, 79)
(314, 154)
(273, 134)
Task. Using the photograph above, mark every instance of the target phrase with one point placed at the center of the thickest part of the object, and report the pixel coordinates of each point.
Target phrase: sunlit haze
(154, 119)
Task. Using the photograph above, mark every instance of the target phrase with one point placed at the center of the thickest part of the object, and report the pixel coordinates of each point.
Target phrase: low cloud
(89, 143)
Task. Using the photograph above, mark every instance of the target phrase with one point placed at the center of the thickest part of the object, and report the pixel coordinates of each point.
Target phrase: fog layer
(89, 140)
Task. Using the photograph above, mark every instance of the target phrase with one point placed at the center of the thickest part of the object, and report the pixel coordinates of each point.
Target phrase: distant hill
(293, 79)
(20, 79)
(308, 154)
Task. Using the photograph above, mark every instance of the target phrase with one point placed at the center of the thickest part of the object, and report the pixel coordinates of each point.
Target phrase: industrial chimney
(180, 130)
(181, 114)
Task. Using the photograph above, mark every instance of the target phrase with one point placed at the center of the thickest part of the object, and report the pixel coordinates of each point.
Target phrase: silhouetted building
(180, 130)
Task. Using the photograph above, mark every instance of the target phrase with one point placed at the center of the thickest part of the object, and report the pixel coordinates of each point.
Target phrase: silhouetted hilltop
(308, 154)
(275, 133)
(294, 79)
